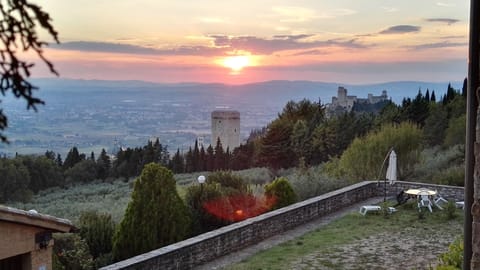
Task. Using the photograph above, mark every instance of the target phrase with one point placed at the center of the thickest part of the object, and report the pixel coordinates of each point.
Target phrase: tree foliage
(156, 215)
(71, 252)
(97, 230)
(281, 192)
(364, 158)
(20, 21)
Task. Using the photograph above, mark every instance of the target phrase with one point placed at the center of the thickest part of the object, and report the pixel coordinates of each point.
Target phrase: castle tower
(342, 94)
(226, 126)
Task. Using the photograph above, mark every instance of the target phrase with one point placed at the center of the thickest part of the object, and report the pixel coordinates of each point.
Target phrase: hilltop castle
(343, 103)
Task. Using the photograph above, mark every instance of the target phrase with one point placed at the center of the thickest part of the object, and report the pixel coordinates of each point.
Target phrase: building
(226, 126)
(26, 238)
(344, 103)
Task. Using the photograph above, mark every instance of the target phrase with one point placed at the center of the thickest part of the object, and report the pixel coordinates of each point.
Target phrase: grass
(352, 242)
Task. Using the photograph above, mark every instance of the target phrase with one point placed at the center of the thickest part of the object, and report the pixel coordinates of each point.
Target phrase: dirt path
(286, 236)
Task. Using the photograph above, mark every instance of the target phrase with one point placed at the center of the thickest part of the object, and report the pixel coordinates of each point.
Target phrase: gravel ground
(225, 261)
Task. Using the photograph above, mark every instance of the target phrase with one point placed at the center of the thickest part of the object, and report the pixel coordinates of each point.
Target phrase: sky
(235, 42)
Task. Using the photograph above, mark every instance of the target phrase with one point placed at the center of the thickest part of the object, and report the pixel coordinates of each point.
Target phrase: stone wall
(211, 245)
(450, 193)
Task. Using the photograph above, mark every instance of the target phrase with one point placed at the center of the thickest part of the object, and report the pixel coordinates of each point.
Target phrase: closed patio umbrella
(392, 168)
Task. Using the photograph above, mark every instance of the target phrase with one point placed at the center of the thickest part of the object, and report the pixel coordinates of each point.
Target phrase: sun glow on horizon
(236, 63)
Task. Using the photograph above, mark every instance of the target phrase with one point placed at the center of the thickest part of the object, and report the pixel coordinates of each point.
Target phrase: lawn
(401, 240)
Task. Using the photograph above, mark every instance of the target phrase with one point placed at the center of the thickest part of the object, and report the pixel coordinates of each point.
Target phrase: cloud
(301, 14)
(87, 46)
(443, 44)
(401, 29)
(390, 9)
(311, 52)
(258, 45)
(222, 45)
(448, 21)
(295, 14)
(442, 4)
(211, 20)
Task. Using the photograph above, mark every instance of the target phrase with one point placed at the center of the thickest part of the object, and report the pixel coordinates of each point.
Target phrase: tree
(82, 172)
(44, 172)
(73, 157)
(14, 180)
(177, 163)
(210, 159)
(364, 157)
(280, 192)
(20, 21)
(97, 230)
(275, 149)
(455, 133)
(103, 165)
(219, 157)
(155, 216)
(435, 124)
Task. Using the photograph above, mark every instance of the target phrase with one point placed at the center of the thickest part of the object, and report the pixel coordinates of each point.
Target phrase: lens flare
(239, 207)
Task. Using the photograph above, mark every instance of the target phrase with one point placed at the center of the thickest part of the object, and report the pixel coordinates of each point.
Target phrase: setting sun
(236, 63)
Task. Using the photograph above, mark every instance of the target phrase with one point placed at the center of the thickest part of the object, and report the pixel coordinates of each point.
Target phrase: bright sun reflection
(236, 63)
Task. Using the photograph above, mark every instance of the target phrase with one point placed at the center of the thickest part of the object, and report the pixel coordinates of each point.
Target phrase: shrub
(453, 258)
(195, 198)
(363, 158)
(453, 176)
(71, 252)
(228, 180)
(281, 192)
(97, 229)
(312, 182)
(450, 210)
(435, 162)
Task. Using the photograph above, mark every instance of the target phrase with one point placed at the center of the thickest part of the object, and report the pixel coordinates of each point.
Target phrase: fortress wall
(206, 247)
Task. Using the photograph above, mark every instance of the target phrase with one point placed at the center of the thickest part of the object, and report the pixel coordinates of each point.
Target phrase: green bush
(71, 253)
(450, 210)
(453, 258)
(453, 176)
(195, 198)
(228, 180)
(435, 164)
(364, 157)
(97, 230)
(312, 181)
(281, 192)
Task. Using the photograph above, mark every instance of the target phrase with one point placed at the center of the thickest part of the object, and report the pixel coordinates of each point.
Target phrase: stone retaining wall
(211, 245)
(448, 192)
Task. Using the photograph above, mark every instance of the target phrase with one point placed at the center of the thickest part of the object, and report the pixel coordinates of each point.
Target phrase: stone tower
(226, 126)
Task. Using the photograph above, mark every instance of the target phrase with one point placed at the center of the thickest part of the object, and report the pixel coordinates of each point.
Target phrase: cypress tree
(156, 215)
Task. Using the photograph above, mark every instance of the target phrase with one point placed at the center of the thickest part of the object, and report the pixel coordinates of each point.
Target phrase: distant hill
(279, 90)
(92, 114)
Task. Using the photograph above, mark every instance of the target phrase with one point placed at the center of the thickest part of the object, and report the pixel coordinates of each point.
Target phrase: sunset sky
(348, 41)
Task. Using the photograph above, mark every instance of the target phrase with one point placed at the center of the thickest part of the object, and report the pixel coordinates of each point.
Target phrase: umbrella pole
(385, 190)
(385, 180)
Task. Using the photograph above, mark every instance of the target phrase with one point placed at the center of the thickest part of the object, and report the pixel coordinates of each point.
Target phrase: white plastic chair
(424, 202)
(438, 200)
(369, 208)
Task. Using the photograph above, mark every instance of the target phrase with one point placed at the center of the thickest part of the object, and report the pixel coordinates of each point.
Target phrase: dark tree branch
(19, 21)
